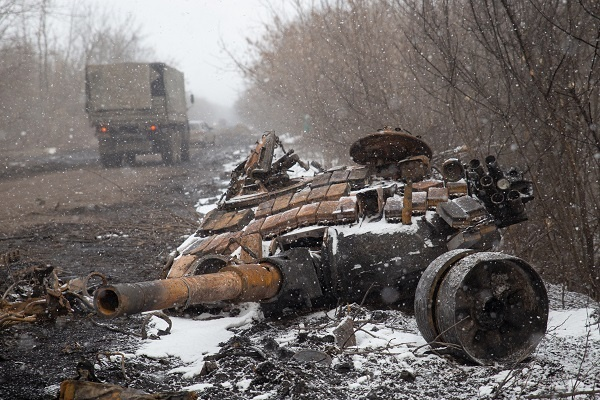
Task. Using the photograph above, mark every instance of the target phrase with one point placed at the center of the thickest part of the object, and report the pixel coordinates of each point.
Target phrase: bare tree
(517, 79)
(339, 65)
(44, 49)
(522, 79)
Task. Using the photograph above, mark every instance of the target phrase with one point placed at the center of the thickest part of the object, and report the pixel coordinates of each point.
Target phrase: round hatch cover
(387, 147)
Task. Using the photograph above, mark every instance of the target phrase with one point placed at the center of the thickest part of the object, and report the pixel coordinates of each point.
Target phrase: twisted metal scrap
(54, 302)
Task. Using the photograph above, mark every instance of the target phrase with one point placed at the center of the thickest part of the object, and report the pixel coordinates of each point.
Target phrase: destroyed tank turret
(386, 232)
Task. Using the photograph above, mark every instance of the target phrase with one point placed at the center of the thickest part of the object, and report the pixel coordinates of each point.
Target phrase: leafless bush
(519, 80)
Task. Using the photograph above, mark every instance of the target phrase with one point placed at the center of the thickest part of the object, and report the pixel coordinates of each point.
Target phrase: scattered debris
(83, 390)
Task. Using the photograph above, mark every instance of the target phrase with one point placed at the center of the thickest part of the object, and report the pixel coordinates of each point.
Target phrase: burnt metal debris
(39, 295)
(386, 232)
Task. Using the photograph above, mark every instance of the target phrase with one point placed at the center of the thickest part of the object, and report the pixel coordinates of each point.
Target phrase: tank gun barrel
(249, 282)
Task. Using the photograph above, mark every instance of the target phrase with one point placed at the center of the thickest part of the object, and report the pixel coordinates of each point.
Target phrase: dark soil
(69, 213)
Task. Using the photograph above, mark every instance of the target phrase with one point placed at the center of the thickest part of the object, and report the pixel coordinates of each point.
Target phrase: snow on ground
(192, 339)
(390, 357)
(251, 357)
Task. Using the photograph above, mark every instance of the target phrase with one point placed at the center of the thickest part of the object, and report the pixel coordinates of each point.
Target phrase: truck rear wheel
(171, 151)
(111, 160)
(185, 143)
(185, 151)
(130, 159)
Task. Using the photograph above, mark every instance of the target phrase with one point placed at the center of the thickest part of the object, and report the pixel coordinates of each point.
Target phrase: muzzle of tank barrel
(487, 307)
(249, 282)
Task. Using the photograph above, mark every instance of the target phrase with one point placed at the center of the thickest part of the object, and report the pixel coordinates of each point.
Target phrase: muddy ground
(66, 211)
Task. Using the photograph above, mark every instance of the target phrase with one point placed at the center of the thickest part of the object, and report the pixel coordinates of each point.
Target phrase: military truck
(137, 108)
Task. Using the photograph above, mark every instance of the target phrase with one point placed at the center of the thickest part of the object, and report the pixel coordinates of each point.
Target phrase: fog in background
(195, 37)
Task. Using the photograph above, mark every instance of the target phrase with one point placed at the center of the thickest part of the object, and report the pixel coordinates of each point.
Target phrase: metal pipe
(249, 282)
(515, 202)
(493, 168)
(497, 199)
(486, 182)
(475, 166)
(407, 204)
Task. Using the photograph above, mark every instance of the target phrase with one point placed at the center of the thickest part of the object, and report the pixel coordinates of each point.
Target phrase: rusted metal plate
(259, 161)
(339, 176)
(436, 196)
(253, 243)
(254, 199)
(419, 202)
(346, 211)
(223, 222)
(393, 209)
(423, 186)
(321, 179)
(457, 188)
(337, 190)
(210, 220)
(181, 265)
(387, 147)
(225, 243)
(240, 219)
(318, 194)
(300, 198)
(202, 246)
(325, 212)
(359, 177)
(281, 202)
(264, 208)
(254, 226)
(269, 228)
(217, 242)
(288, 220)
(307, 214)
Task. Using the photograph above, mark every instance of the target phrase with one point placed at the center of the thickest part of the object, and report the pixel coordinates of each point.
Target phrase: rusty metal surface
(247, 283)
(388, 147)
(426, 293)
(492, 305)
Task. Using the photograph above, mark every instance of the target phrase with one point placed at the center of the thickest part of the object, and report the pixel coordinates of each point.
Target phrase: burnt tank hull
(389, 232)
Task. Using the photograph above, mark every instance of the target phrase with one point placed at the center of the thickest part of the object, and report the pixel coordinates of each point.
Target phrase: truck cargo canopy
(119, 87)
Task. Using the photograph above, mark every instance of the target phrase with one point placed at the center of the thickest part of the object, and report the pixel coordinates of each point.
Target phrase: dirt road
(70, 213)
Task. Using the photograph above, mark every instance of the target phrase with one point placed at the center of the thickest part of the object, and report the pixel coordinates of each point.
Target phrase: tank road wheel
(171, 152)
(487, 307)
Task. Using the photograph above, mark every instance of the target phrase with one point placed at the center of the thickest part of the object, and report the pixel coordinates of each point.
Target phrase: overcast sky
(188, 33)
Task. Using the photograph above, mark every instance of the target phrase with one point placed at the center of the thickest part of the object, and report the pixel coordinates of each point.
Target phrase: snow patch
(190, 340)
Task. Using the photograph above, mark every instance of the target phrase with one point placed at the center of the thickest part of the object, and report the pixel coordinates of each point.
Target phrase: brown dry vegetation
(519, 80)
